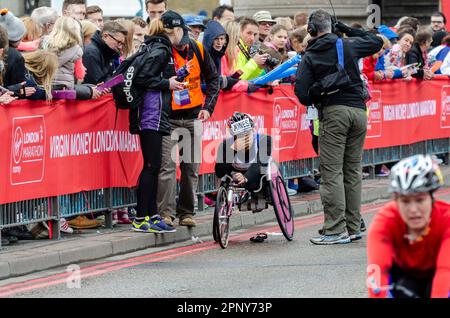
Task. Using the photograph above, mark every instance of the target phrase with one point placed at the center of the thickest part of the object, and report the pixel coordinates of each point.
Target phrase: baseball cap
(193, 20)
(171, 20)
(263, 16)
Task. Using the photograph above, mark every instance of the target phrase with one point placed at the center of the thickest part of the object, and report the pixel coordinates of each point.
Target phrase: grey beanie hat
(13, 25)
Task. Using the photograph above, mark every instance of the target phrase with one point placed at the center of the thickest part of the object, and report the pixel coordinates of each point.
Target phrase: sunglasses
(266, 23)
(117, 41)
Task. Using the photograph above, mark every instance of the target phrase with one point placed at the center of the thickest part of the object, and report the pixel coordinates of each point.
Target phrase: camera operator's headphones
(312, 29)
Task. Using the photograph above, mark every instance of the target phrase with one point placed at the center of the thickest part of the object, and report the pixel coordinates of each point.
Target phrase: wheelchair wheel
(221, 218)
(282, 204)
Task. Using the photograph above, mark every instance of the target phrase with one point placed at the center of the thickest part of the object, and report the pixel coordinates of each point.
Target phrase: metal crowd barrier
(107, 200)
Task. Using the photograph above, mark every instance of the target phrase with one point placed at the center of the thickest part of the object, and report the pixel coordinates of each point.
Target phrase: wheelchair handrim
(282, 207)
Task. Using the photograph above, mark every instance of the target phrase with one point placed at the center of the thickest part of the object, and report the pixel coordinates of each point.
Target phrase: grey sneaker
(331, 239)
(355, 237)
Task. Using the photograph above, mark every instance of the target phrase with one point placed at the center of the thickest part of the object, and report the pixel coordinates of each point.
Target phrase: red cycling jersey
(387, 244)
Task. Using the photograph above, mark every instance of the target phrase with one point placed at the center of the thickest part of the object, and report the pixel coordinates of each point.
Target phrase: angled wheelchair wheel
(221, 218)
(281, 203)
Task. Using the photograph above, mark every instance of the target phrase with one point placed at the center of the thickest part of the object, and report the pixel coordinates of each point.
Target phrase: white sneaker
(64, 226)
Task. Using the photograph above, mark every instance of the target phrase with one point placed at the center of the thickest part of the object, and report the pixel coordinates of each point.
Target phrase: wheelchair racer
(409, 239)
(244, 154)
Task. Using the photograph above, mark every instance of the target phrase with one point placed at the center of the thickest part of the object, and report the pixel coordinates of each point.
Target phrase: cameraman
(338, 93)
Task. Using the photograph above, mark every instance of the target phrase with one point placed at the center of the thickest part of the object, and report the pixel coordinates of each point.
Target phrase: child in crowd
(277, 40)
(65, 40)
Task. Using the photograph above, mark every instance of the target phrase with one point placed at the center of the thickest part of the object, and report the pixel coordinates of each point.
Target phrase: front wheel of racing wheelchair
(272, 191)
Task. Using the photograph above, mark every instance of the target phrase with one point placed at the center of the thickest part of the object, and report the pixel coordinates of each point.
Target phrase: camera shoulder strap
(340, 52)
(244, 50)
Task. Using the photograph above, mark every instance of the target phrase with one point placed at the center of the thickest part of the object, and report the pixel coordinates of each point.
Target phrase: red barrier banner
(63, 147)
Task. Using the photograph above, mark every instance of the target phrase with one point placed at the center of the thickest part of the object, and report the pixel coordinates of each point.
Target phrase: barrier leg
(200, 194)
(56, 214)
(446, 159)
(109, 210)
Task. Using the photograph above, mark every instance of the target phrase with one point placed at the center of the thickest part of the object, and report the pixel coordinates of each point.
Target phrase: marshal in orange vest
(193, 89)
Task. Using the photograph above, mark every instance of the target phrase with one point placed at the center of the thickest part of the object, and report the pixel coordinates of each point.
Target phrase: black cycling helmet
(240, 123)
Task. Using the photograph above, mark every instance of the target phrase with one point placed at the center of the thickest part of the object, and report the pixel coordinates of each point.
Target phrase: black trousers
(151, 145)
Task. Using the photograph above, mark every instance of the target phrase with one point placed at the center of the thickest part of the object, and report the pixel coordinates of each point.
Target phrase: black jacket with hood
(213, 30)
(14, 68)
(415, 56)
(99, 60)
(320, 59)
(154, 76)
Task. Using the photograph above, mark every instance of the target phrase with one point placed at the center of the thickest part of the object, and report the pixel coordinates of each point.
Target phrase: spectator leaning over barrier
(140, 30)
(46, 17)
(155, 8)
(395, 58)
(32, 38)
(223, 13)
(14, 63)
(65, 41)
(150, 120)
(42, 67)
(418, 54)
(6, 96)
(343, 121)
(248, 64)
(101, 56)
(369, 63)
(189, 109)
(75, 9)
(437, 22)
(88, 30)
(265, 23)
(95, 15)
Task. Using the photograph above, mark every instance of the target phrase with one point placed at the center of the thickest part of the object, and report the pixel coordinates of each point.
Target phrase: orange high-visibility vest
(193, 79)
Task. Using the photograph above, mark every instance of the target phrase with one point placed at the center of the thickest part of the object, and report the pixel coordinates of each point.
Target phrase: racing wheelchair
(272, 190)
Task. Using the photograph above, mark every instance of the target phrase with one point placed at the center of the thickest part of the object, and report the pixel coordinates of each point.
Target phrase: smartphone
(22, 92)
(237, 74)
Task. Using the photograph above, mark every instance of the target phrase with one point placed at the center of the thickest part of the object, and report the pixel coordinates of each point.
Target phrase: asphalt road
(274, 268)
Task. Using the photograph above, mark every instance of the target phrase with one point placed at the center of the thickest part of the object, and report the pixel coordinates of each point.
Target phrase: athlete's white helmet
(415, 174)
